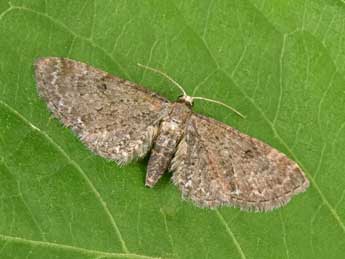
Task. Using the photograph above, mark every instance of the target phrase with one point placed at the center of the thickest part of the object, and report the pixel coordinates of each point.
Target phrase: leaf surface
(280, 63)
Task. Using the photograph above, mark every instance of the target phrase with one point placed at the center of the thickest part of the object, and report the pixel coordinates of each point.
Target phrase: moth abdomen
(170, 133)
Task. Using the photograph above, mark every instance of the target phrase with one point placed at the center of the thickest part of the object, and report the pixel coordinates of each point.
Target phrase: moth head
(186, 99)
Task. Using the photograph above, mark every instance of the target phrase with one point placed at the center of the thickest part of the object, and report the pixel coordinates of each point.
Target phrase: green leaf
(281, 63)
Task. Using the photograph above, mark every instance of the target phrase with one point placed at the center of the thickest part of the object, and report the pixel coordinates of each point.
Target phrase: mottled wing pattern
(217, 165)
(113, 117)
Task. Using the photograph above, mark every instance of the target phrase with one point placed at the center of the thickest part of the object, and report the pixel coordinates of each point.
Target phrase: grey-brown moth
(212, 163)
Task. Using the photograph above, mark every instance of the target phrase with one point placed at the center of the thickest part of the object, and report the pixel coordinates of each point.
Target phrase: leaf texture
(280, 63)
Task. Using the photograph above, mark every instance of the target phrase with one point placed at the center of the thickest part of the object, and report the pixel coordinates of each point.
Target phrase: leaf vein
(123, 30)
(281, 61)
(22, 200)
(284, 235)
(320, 160)
(79, 169)
(67, 29)
(333, 211)
(231, 234)
(171, 240)
(85, 251)
(207, 19)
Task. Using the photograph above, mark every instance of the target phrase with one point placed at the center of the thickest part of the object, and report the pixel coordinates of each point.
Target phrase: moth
(212, 163)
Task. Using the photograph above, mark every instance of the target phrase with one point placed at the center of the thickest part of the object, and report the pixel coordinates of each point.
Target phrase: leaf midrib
(74, 248)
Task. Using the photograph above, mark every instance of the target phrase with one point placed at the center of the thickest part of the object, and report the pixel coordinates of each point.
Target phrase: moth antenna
(218, 102)
(184, 92)
(165, 75)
